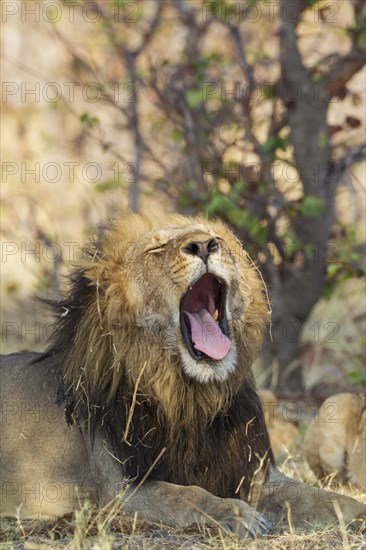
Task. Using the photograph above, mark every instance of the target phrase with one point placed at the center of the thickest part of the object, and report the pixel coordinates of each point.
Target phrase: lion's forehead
(167, 234)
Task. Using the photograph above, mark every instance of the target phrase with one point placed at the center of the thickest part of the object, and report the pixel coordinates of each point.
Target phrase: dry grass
(108, 529)
(70, 534)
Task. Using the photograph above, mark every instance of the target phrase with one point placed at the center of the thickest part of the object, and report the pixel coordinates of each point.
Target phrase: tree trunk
(301, 283)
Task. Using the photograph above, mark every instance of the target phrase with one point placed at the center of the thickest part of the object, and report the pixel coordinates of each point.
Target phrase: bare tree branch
(130, 57)
(349, 64)
(149, 33)
(189, 16)
(353, 156)
(344, 69)
(242, 59)
(133, 117)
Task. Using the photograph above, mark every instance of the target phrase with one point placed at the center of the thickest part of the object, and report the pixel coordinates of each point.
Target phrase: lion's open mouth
(203, 319)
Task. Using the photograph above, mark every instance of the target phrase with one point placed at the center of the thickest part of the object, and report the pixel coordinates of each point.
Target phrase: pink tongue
(207, 335)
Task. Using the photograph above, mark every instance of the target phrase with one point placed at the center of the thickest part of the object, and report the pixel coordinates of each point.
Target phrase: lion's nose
(202, 249)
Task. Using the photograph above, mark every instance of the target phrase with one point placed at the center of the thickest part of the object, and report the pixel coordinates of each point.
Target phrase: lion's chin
(209, 371)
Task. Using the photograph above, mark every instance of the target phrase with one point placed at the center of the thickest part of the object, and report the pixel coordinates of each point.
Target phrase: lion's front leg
(285, 500)
(179, 506)
(173, 505)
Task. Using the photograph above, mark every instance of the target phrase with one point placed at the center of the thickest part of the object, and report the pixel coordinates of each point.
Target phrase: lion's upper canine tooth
(216, 315)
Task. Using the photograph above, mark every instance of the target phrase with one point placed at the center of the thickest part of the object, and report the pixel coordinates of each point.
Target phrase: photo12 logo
(268, 10)
(69, 91)
(68, 171)
(70, 11)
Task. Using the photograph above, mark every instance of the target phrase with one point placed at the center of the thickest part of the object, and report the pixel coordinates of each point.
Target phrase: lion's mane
(113, 374)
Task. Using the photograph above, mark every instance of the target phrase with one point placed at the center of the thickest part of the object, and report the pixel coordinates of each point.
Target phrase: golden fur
(135, 288)
(186, 433)
(129, 333)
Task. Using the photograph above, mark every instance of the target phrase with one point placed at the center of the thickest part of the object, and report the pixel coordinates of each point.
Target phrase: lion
(335, 442)
(145, 395)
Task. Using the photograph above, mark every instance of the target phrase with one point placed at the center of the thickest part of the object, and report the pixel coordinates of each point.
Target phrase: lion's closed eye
(156, 249)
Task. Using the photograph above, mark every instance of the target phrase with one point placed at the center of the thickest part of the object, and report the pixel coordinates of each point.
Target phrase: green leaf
(105, 186)
(238, 187)
(120, 2)
(177, 135)
(90, 121)
(312, 206)
(317, 76)
(201, 65)
(215, 7)
(361, 40)
(269, 91)
(332, 269)
(273, 143)
(218, 203)
(358, 376)
(194, 98)
(239, 218)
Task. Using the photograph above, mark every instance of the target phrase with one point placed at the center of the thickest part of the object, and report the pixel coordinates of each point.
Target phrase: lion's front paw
(245, 520)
